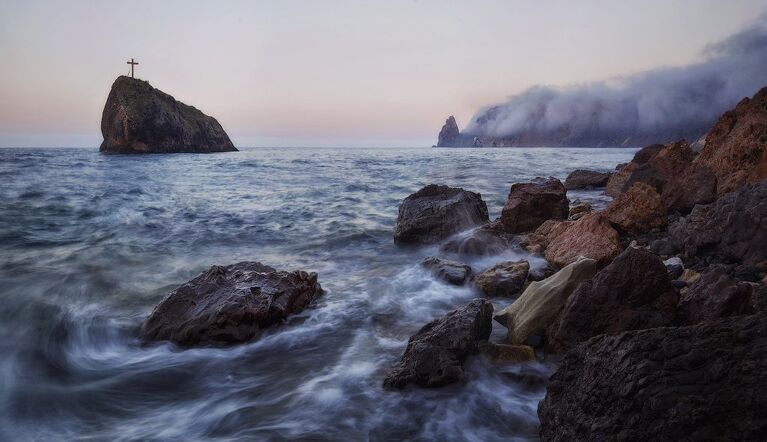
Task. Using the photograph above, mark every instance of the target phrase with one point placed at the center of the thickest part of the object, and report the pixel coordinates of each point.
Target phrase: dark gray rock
(713, 296)
(584, 179)
(489, 239)
(449, 271)
(503, 279)
(531, 204)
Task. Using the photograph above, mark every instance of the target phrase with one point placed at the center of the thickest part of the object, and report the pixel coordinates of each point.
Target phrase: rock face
(696, 185)
(503, 279)
(591, 236)
(435, 354)
(450, 136)
(541, 302)
(578, 209)
(703, 382)
(450, 271)
(654, 165)
(713, 296)
(530, 204)
(584, 179)
(633, 292)
(732, 228)
(436, 212)
(736, 147)
(231, 304)
(138, 118)
(636, 211)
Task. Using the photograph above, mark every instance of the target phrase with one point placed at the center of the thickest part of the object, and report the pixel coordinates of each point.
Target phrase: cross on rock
(132, 63)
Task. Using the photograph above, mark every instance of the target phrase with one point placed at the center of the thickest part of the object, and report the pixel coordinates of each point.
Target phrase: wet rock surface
(489, 239)
(449, 271)
(530, 204)
(503, 279)
(435, 354)
(230, 304)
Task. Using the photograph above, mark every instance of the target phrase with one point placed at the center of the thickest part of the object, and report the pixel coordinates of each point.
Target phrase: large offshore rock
(436, 211)
(530, 204)
(733, 228)
(591, 236)
(637, 210)
(736, 147)
(231, 304)
(633, 292)
(435, 354)
(713, 296)
(503, 279)
(585, 179)
(450, 136)
(138, 118)
(449, 271)
(530, 314)
(702, 382)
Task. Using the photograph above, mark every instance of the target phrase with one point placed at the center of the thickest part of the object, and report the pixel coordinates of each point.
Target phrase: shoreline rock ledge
(138, 118)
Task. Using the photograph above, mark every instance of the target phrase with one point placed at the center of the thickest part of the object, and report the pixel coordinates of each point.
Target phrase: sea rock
(503, 354)
(436, 211)
(584, 179)
(530, 314)
(696, 185)
(503, 279)
(713, 296)
(138, 118)
(450, 135)
(638, 210)
(702, 382)
(633, 292)
(674, 267)
(435, 354)
(530, 204)
(653, 165)
(230, 304)
(733, 228)
(591, 236)
(578, 209)
(450, 271)
(488, 239)
(736, 147)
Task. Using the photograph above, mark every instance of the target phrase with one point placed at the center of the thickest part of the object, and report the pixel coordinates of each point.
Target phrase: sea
(90, 243)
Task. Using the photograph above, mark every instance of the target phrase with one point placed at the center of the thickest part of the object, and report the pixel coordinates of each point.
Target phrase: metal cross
(132, 63)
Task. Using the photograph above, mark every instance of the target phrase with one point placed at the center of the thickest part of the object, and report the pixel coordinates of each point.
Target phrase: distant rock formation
(138, 118)
(450, 136)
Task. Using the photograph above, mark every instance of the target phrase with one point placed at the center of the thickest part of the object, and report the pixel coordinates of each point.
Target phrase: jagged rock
(674, 267)
(584, 179)
(530, 314)
(703, 382)
(450, 271)
(436, 211)
(695, 185)
(590, 236)
(489, 239)
(138, 118)
(653, 165)
(503, 279)
(435, 354)
(713, 296)
(736, 147)
(638, 210)
(530, 204)
(506, 354)
(732, 228)
(633, 292)
(230, 304)
(578, 209)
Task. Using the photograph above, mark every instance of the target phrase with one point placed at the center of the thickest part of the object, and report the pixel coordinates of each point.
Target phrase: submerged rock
(703, 382)
(503, 279)
(436, 211)
(584, 179)
(530, 204)
(489, 239)
(638, 210)
(138, 118)
(435, 354)
(449, 271)
(229, 305)
(713, 296)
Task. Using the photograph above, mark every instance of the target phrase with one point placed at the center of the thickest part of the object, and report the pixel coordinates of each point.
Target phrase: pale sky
(333, 72)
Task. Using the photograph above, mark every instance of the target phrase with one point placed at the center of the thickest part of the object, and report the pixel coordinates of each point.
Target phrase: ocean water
(89, 243)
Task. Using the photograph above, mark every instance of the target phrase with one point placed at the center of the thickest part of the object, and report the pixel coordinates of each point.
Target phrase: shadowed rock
(585, 179)
(530, 204)
(231, 304)
(503, 279)
(713, 296)
(489, 239)
(449, 271)
(696, 185)
(654, 165)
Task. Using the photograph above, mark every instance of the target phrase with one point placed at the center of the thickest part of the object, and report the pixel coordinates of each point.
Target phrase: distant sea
(89, 243)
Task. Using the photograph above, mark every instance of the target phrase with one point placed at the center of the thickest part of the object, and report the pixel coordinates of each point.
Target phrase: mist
(653, 106)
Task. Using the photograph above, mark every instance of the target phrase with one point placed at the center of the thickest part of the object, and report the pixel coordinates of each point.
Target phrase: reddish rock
(578, 209)
(696, 185)
(638, 210)
(654, 165)
(713, 296)
(592, 236)
(530, 204)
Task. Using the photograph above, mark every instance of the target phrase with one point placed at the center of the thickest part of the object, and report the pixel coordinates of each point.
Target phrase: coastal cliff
(138, 118)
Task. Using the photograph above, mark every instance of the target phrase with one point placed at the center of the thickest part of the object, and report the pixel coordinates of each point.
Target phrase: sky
(332, 72)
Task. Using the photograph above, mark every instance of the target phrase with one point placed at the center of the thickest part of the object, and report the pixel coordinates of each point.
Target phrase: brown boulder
(591, 236)
(506, 354)
(229, 305)
(578, 209)
(503, 279)
(696, 185)
(654, 165)
(633, 292)
(584, 179)
(736, 147)
(530, 204)
(638, 210)
(713, 296)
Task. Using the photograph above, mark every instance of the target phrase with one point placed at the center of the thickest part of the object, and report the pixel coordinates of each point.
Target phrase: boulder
(653, 165)
(733, 228)
(633, 292)
(696, 185)
(230, 304)
(736, 147)
(638, 210)
(578, 209)
(449, 271)
(702, 382)
(713, 296)
(530, 204)
(138, 118)
(584, 179)
(503, 279)
(591, 236)
(506, 354)
(489, 239)
(436, 212)
(435, 354)
(530, 314)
